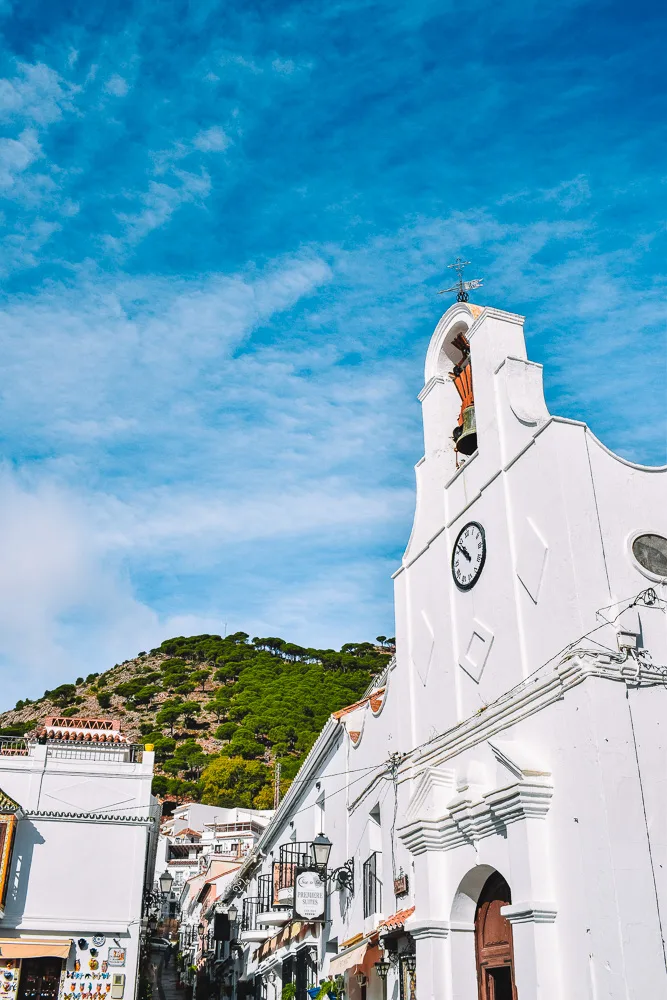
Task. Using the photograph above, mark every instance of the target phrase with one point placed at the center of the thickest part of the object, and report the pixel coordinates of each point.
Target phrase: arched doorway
(493, 942)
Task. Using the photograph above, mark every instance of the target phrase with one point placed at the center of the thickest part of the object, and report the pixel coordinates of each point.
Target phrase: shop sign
(401, 884)
(116, 956)
(309, 895)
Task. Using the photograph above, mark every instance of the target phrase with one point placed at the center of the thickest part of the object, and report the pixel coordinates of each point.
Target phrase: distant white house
(78, 836)
(194, 834)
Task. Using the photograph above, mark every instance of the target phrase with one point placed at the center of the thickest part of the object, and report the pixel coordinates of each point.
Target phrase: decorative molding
(84, 817)
(432, 382)
(532, 552)
(530, 912)
(477, 649)
(545, 687)
(434, 790)
(468, 820)
(422, 930)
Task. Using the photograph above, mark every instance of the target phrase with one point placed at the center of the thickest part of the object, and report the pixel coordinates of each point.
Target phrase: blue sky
(224, 231)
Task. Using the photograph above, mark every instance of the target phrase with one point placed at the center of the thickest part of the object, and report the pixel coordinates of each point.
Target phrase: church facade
(494, 807)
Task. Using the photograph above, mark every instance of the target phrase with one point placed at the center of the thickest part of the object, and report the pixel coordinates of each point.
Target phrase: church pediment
(434, 790)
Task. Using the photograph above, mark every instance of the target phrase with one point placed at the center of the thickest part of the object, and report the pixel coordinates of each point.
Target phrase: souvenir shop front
(61, 969)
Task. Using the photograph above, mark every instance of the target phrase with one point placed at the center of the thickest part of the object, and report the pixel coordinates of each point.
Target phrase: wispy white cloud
(37, 94)
(116, 85)
(16, 155)
(159, 202)
(211, 140)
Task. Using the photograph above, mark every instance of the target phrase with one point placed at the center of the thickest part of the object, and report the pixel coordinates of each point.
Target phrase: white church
(495, 809)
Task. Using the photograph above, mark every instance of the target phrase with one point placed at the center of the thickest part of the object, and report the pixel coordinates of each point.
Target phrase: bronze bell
(465, 436)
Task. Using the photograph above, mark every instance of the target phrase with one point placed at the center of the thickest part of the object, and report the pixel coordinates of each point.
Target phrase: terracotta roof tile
(372, 697)
(396, 920)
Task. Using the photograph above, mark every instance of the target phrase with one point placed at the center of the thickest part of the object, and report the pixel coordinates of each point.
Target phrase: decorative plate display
(98, 940)
(93, 964)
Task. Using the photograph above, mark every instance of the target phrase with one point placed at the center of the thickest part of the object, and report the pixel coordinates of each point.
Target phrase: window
(372, 886)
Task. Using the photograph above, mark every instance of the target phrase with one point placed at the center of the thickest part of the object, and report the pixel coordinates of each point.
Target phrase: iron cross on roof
(461, 287)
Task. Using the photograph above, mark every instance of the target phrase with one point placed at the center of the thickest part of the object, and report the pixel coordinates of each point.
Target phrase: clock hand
(465, 552)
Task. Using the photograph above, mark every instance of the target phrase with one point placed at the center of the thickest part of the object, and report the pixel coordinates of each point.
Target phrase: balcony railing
(249, 913)
(292, 856)
(21, 746)
(123, 752)
(14, 746)
(274, 911)
(372, 886)
(251, 932)
(267, 889)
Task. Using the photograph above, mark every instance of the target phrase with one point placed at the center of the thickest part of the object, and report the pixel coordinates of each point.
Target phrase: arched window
(493, 942)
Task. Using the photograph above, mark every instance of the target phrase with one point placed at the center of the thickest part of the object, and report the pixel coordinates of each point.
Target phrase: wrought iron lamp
(382, 968)
(233, 913)
(321, 848)
(360, 977)
(166, 881)
(343, 876)
(410, 960)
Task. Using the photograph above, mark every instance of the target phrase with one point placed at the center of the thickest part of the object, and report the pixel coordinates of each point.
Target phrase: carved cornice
(468, 820)
(546, 687)
(530, 912)
(422, 930)
(85, 817)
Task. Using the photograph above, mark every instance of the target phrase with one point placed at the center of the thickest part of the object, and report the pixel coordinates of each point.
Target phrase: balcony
(271, 912)
(293, 856)
(250, 932)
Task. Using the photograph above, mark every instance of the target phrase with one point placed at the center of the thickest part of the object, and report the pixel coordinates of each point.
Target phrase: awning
(35, 947)
(341, 963)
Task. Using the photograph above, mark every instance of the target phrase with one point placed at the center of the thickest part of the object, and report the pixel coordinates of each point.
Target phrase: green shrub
(225, 731)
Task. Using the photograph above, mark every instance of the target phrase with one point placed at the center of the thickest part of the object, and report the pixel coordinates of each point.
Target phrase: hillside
(220, 711)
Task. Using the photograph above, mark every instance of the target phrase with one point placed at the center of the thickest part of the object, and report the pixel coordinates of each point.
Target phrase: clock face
(468, 555)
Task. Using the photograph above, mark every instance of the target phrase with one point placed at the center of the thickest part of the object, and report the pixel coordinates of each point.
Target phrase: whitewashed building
(496, 804)
(78, 834)
(194, 835)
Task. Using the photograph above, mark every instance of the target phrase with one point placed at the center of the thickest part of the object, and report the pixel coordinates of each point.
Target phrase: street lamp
(360, 977)
(321, 848)
(166, 881)
(233, 913)
(410, 960)
(271, 977)
(382, 968)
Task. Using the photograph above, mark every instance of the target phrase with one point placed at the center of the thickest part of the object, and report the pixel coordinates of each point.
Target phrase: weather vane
(462, 287)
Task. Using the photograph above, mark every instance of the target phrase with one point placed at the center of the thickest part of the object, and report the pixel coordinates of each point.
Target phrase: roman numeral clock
(468, 555)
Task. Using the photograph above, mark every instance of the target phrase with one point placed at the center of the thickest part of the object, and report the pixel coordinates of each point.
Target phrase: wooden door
(493, 942)
(40, 979)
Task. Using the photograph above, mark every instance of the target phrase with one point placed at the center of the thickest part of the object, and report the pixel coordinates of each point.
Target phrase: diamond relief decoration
(422, 645)
(531, 561)
(476, 650)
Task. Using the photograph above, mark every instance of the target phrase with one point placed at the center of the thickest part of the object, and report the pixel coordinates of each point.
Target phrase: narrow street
(165, 977)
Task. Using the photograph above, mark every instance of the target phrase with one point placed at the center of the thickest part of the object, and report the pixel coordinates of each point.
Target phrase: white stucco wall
(84, 841)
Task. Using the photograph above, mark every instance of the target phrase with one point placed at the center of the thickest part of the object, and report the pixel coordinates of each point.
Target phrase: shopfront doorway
(493, 942)
(40, 979)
